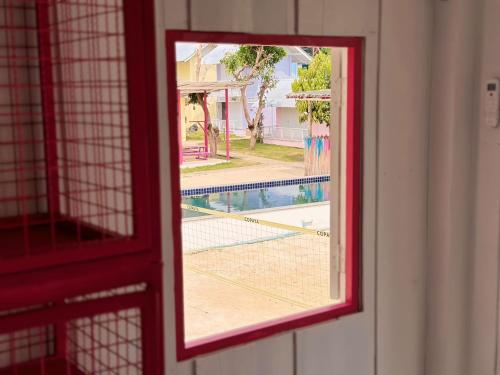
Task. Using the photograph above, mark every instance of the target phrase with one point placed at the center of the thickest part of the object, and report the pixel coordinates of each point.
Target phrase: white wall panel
(175, 14)
(273, 17)
(342, 17)
(342, 347)
(222, 15)
(451, 185)
(170, 14)
(484, 339)
(272, 356)
(258, 16)
(181, 368)
(404, 79)
(349, 345)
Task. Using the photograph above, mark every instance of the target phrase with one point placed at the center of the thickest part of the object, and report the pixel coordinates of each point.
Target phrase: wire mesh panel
(97, 343)
(107, 343)
(91, 111)
(21, 127)
(65, 150)
(26, 346)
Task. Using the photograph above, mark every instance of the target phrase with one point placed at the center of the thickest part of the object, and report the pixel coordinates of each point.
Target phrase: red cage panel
(72, 96)
(106, 333)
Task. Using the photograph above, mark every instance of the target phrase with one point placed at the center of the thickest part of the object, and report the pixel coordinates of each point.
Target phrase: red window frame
(353, 190)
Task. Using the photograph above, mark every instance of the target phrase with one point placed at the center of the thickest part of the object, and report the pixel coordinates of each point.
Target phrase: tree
(250, 63)
(199, 99)
(211, 131)
(316, 76)
(314, 50)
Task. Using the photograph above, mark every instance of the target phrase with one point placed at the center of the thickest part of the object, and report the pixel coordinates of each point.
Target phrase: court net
(284, 262)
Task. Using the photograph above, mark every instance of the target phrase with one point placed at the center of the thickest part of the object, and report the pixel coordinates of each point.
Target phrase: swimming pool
(260, 197)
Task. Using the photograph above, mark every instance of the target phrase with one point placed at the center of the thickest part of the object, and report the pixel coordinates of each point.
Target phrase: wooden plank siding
(363, 343)
(170, 14)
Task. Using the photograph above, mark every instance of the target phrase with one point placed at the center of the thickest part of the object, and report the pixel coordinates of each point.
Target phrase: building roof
(277, 96)
(208, 87)
(216, 55)
(298, 55)
(314, 95)
(213, 53)
(184, 51)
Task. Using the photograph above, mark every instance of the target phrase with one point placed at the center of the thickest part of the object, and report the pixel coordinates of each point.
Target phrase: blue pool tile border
(253, 185)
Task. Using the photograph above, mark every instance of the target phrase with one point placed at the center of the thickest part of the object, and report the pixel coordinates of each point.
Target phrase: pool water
(256, 199)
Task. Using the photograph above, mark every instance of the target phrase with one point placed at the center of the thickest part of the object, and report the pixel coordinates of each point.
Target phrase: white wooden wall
(484, 262)
(451, 185)
(388, 336)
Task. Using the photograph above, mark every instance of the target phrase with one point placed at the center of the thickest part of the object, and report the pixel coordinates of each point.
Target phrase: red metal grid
(103, 333)
(72, 96)
(66, 154)
(77, 85)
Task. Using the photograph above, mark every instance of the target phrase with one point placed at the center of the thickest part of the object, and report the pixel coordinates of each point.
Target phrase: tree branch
(260, 108)
(259, 62)
(198, 64)
(244, 101)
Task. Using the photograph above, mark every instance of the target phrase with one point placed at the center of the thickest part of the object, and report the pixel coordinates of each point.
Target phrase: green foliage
(313, 50)
(195, 98)
(254, 63)
(250, 62)
(315, 77)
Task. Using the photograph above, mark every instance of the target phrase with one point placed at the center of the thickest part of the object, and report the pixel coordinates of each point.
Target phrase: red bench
(200, 152)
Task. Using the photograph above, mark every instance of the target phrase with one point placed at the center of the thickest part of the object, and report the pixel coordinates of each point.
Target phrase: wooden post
(227, 124)
(179, 126)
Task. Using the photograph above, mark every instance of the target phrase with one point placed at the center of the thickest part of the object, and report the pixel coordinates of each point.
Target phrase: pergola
(311, 96)
(205, 88)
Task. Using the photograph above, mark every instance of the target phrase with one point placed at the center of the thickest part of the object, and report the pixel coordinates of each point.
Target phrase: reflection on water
(247, 200)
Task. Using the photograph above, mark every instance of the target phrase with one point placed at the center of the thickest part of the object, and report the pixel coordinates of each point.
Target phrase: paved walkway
(264, 170)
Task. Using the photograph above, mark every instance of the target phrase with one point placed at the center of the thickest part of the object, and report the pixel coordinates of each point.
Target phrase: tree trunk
(260, 133)
(212, 133)
(254, 124)
(246, 111)
(253, 138)
(213, 138)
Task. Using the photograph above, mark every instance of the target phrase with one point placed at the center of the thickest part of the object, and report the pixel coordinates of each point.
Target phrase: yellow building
(186, 71)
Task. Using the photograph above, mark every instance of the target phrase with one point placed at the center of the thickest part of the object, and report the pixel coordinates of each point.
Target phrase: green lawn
(233, 163)
(198, 136)
(283, 153)
(241, 145)
(194, 136)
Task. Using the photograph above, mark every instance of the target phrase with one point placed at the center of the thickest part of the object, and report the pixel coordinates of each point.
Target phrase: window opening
(265, 183)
